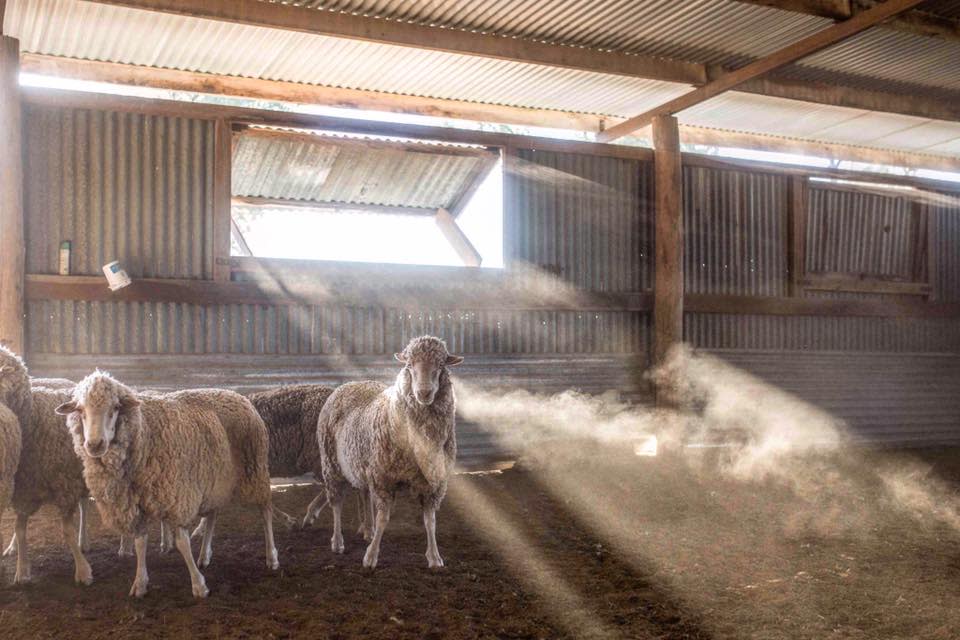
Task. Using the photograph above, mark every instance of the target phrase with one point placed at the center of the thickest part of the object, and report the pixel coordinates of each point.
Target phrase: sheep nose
(95, 446)
(424, 396)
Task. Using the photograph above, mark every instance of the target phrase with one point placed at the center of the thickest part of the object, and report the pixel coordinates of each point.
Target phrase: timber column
(12, 243)
(668, 240)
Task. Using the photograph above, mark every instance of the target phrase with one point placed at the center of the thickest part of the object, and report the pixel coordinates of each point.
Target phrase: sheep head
(14, 383)
(99, 401)
(425, 359)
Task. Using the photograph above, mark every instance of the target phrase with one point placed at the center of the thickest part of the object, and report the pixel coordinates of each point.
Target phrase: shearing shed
(646, 314)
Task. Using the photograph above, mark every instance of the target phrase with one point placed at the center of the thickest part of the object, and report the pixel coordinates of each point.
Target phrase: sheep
(49, 472)
(169, 458)
(290, 413)
(378, 439)
(10, 439)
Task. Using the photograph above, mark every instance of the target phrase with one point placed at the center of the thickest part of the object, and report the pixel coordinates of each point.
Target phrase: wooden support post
(12, 243)
(797, 202)
(457, 238)
(222, 198)
(668, 242)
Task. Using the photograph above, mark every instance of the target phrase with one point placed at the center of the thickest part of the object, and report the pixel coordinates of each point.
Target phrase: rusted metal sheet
(735, 230)
(585, 219)
(118, 186)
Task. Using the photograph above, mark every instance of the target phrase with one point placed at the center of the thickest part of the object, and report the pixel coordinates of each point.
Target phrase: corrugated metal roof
(708, 31)
(336, 169)
(703, 30)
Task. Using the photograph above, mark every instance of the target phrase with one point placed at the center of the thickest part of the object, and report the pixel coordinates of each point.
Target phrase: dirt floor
(620, 547)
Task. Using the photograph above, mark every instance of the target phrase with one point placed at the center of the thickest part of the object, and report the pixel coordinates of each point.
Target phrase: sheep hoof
(83, 575)
(370, 560)
(204, 560)
(336, 545)
(435, 563)
(200, 590)
(21, 577)
(139, 588)
(272, 563)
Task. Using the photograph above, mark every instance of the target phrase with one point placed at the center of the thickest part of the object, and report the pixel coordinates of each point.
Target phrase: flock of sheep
(175, 458)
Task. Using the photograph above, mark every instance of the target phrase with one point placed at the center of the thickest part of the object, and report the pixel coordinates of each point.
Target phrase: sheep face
(13, 377)
(424, 359)
(98, 402)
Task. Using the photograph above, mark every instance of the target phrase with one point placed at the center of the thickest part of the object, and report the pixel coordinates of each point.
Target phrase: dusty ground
(619, 547)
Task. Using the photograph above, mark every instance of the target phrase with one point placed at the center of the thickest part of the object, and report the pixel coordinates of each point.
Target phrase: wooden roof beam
(343, 25)
(915, 21)
(780, 58)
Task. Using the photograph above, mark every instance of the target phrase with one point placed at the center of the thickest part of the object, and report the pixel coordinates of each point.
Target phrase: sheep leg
(126, 548)
(140, 581)
(23, 554)
(288, 520)
(336, 541)
(166, 536)
(365, 510)
(196, 578)
(206, 547)
(84, 539)
(12, 547)
(82, 574)
(271, 548)
(314, 509)
(382, 505)
(198, 531)
(434, 561)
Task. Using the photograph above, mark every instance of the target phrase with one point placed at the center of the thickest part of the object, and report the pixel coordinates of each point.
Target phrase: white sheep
(378, 439)
(10, 439)
(169, 458)
(49, 472)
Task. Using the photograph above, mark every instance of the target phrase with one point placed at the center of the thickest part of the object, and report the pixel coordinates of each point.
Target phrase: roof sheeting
(358, 171)
(704, 30)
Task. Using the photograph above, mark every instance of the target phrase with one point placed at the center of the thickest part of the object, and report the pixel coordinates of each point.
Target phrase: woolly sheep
(169, 458)
(378, 439)
(290, 414)
(49, 472)
(9, 447)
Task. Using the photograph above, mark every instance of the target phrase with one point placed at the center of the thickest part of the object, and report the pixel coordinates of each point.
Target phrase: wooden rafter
(787, 55)
(915, 21)
(343, 25)
(261, 89)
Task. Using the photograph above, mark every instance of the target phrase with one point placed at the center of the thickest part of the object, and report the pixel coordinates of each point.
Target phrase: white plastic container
(117, 278)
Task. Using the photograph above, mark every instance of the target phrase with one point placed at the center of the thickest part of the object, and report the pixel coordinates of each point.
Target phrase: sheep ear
(66, 408)
(399, 358)
(129, 402)
(453, 361)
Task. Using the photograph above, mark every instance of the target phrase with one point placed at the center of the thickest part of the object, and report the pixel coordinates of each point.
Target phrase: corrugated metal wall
(119, 186)
(587, 219)
(162, 327)
(856, 232)
(734, 232)
(138, 188)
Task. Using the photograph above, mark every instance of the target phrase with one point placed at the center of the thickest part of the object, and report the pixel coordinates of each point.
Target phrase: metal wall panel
(734, 232)
(857, 232)
(815, 333)
(119, 186)
(586, 219)
(66, 327)
(945, 220)
(899, 399)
